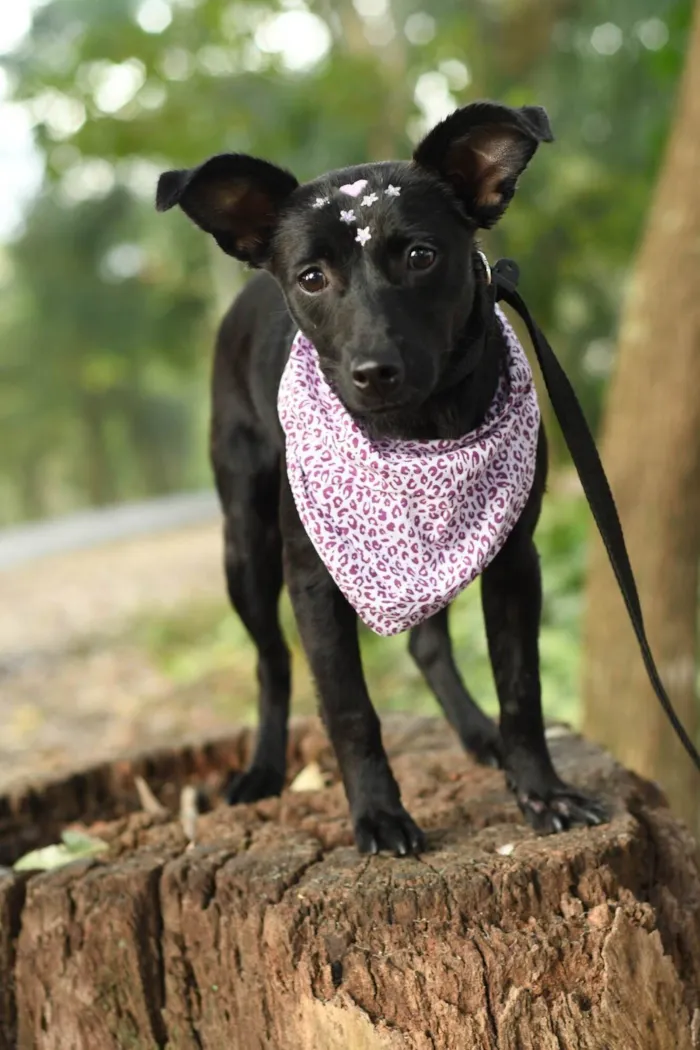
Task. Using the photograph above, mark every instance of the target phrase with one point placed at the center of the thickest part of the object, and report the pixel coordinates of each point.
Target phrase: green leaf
(75, 845)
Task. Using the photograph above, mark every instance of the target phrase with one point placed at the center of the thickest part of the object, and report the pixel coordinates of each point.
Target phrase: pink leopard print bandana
(404, 526)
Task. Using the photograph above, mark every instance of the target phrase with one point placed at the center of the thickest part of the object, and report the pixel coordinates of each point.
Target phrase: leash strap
(595, 484)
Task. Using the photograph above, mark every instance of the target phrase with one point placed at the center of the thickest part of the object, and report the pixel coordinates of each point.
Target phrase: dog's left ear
(480, 150)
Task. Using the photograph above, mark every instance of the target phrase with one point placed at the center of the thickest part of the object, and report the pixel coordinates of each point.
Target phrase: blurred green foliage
(108, 310)
(196, 644)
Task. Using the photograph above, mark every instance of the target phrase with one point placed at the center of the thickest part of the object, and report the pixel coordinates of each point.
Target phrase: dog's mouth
(407, 398)
(389, 414)
(388, 409)
(383, 407)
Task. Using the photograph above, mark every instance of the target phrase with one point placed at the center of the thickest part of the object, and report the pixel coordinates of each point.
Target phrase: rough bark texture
(651, 451)
(271, 932)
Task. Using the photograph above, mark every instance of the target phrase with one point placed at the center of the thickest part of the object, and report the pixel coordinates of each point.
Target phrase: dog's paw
(255, 783)
(384, 829)
(485, 747)
(560, 808)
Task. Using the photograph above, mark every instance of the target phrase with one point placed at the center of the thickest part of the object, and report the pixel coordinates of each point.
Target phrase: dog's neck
(461, 400)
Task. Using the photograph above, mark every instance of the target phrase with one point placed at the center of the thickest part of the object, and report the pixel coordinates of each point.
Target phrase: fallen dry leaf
(189, 811)
(149, 802)
(311, 778)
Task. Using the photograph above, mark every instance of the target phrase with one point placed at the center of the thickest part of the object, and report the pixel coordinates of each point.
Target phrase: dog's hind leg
(511, 594)
(430, 646)
(253, 563)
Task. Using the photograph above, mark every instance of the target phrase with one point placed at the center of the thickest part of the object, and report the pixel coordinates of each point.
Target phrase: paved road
(93, 528)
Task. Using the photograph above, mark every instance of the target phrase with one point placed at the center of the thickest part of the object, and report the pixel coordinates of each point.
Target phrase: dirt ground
(73, 689)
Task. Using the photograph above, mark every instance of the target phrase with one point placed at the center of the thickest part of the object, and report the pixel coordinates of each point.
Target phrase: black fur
(372, 315)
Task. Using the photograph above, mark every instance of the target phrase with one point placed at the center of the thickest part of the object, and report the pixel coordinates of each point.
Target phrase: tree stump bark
(272, 933)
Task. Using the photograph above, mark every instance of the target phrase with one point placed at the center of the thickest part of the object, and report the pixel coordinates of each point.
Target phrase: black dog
(393, 324)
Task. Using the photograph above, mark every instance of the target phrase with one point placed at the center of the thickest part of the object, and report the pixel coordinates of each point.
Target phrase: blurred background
(114, 629)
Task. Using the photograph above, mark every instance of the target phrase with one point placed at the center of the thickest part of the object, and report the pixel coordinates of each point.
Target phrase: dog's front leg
(328, 628)
(512, 599)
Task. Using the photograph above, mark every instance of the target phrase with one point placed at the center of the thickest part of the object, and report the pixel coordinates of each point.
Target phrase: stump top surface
(494, 935)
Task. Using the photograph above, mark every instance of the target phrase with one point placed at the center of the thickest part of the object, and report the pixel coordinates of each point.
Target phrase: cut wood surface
(270, 931)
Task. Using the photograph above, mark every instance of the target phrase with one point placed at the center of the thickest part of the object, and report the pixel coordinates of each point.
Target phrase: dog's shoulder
(252, 346)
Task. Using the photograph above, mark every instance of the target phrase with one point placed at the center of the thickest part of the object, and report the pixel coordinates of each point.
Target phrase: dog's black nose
(379, 377)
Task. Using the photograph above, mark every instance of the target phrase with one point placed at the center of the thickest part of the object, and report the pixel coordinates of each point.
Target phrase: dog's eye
(421, 257)
(313, 280)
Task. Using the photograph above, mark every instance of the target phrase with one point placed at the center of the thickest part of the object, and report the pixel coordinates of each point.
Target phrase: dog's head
(376, 261)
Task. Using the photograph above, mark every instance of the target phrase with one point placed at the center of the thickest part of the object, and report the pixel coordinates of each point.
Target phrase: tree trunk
(271, 933)
(651, 451)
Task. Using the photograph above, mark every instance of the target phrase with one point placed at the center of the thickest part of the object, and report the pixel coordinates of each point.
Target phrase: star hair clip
(348, 215)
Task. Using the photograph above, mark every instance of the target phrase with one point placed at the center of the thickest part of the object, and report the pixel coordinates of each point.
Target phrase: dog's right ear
(234, 197)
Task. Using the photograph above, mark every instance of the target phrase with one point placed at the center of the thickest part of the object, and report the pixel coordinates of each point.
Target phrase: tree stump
(272, 932)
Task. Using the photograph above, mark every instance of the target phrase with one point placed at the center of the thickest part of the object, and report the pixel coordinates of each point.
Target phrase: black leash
(584, 453)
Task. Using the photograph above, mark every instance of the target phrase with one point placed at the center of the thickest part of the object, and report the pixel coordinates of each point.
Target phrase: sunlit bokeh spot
(122, 261)
(433, 95)
(606, 39)
(89, 179)
(300, 38)
(420, 28)
(653, 33)
(154, 16)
